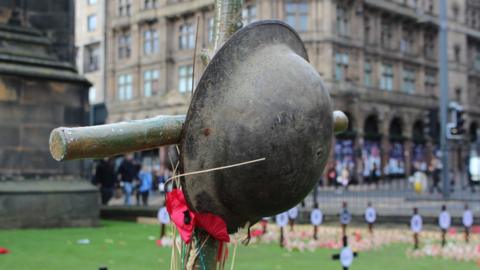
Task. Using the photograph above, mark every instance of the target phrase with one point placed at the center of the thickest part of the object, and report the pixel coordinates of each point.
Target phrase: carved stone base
(48, 203)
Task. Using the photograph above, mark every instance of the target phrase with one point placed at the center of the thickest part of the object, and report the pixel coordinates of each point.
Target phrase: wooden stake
(344, 230)
(264, 226)
(203, 252)
(444, 235)
(467, 234)
(228, 18)
(162, 230)
(281, 237)
(415, 241)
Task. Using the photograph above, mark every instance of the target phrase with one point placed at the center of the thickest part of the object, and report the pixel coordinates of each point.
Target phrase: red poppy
(186, 220)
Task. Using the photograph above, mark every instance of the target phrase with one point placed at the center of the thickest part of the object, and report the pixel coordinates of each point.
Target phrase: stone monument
(39, 90)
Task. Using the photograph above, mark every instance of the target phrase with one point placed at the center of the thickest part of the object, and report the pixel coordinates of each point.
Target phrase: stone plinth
(48, 203)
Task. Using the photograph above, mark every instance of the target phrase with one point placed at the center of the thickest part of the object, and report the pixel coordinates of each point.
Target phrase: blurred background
(379, 59)
(90, 62)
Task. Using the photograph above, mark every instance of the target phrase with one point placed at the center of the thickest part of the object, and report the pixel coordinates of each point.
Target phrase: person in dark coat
(105, 179)
(128, 174)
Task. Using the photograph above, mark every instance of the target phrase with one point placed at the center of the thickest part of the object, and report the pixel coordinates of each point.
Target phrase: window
(367, 74)
(386, 77)
(92, 95)
(367, 29)
(150, 82)
(457, 49)
(249, 14)
(342, 21)
(124, 43)
(455, 11)
(476, 59)
(430, 81)
(124, 7)
(407, 42)
(186, 39)
(409, 80)
(429, 45)
(430, 6)
(148, 4)
(411, 3)
(91, 57)
(210, 28)
(150, 42)
(386, 34)
(341, 66)
(185, 78)
(124, 87)
(91, 2)
(296, 14)
(92, 22)
(472, 18)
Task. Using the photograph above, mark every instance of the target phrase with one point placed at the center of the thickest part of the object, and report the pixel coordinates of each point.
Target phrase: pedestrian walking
(127, 172)
(105, 179)
(435, 169)
(145, 178)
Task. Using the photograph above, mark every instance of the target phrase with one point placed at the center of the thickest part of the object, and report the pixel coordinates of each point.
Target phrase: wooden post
(281, 237)
(228, 19)
(467, 220)
(162, 230)
(315, 232)
(444, 240)
(291, 221)
(114, 139)
(264, 226)
(415, 241)
(202, 254)
(467, 234)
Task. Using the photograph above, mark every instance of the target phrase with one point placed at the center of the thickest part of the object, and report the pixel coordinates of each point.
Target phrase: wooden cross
(444, 221)
(370, 216)
(416, 224)
(316, 218)
(467, 221)
(346, 255)
(292, 216)
(345, 218)
(282, 221)
(163, 219)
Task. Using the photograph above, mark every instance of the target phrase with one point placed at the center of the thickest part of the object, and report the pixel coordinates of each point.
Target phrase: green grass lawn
(122, 245)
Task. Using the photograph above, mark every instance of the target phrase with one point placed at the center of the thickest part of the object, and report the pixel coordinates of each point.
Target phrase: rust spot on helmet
(206, 132)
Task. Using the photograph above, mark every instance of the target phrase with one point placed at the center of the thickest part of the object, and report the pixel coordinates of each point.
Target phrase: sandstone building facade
(378, 58)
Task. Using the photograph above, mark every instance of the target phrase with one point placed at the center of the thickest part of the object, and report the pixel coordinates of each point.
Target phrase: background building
(378, 58)
(90, 45)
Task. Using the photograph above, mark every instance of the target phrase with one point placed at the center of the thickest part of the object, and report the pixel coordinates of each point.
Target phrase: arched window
(371, 156)
(396, 129)
(418, 134)
(473, 132)
(418, 156)
(396, 156)
(371, 126)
